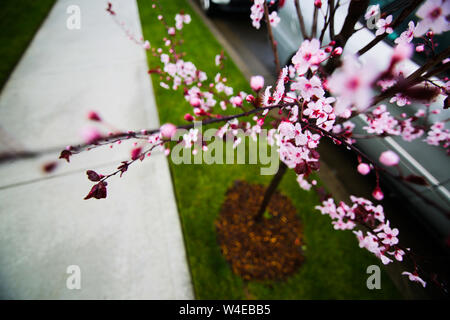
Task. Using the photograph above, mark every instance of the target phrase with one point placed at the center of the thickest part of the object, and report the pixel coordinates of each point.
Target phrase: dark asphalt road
(337, 165)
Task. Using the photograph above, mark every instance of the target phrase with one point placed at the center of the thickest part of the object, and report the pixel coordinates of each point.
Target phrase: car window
(419, 57)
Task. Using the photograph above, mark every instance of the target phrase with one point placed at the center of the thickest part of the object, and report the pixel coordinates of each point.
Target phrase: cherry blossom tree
(314, 98)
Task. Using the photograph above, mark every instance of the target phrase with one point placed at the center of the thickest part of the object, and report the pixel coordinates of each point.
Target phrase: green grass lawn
(19, 21)
(334, 268)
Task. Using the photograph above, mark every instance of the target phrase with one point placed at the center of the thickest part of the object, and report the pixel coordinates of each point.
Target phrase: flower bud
(378, 194)
(195, 102)
(92, 115)
(420, 48)
(136, 153)
(256, 83)
(337, 51)
(363, 168)
(389, 158)
(90, 135)
(168, 130)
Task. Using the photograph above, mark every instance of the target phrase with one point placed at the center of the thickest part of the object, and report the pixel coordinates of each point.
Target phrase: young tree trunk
(270, 190)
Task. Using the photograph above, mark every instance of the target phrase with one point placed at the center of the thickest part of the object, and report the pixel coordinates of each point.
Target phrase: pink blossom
(433, 14)
(408, 35)
(286, 130)
(274, 19)
(168, 130)
(90, 135)
(384, 26)
(181, 19)
(308, 56)
(337, 51)
(352, 85)
(383, 258)
(300, 138)
(146, 45)
(414, 277)
(437, 134)
(402, 51)
(389, 158)
(388, 236)
(400, 99)
(380, 121)
(372, 11)
(303, 183)
(136, 153)
(190, 137)
(378, 194)
(257, 12)
(398, 254)
(363, 168)
(308, 87)
(256, 83)
(92, 115)
(195, 101)
(218, 59)
(279, 90)
(236, 101)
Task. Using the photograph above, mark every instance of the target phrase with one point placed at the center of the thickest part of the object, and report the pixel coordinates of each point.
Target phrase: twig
(355, 11)
(300, 19)
(271, 38)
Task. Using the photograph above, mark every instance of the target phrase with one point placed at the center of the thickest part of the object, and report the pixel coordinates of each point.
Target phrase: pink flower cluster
(352, 85)
(257, 13)
(434, 15)
(181, 19)
(380, 121)
(308, 56)
(181, 72)
(381, 240)
(438, 134)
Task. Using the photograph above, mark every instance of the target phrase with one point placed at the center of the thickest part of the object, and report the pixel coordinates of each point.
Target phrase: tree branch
(356, 9)
(300, 19)
(403, 15)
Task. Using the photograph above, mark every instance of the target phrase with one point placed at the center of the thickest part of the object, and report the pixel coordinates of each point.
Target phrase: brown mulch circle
(267, 250)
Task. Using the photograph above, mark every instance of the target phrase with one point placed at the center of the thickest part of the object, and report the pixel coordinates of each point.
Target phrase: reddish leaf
(421, 93)
(417, 180)
(49, 166)
(93, 176)
(123, 167)
(109, 9)
(98, 191)
(65, 154)
(323, 194)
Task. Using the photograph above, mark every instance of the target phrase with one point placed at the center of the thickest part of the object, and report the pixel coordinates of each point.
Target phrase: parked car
(212, 6)
(417, 157)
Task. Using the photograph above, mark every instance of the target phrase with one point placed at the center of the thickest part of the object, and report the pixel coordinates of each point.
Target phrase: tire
(208, 7)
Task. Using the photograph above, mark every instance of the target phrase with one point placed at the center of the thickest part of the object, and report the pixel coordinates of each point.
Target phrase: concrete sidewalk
(129, 246)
